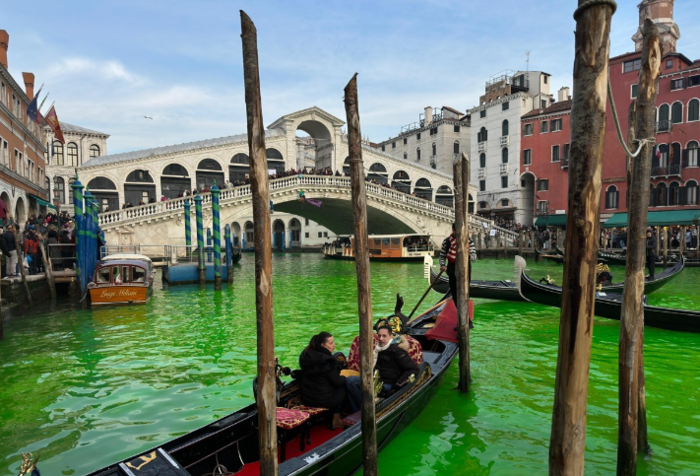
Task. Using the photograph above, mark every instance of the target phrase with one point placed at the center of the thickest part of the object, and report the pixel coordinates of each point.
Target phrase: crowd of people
(52, 228)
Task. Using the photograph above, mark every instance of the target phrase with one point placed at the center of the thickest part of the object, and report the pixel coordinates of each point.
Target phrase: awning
(41, 201)
(551, 220)
(666, 218)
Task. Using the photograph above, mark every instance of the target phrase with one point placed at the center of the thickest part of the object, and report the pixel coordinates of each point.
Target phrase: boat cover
(446, 323)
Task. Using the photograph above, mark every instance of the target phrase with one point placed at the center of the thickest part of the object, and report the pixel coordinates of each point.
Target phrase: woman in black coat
(321, 382)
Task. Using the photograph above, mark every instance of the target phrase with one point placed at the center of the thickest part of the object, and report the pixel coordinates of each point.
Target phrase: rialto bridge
(419, 197)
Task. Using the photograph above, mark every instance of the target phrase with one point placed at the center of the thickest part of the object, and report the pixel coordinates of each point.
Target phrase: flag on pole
(33, 109)
(52, 121)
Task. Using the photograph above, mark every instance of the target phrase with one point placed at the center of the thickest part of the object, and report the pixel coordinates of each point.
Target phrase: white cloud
(110, 70)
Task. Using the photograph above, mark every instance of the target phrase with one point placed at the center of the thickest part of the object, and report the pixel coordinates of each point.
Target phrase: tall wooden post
(260, 187)
(20, 260)
(460, 175)
(681, 241)
(632, 316)
(567, 443)
(48, 270)
(521, 238)
(364, 296)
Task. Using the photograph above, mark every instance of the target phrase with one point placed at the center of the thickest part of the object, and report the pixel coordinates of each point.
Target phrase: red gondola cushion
(414, 349)
(288, 419)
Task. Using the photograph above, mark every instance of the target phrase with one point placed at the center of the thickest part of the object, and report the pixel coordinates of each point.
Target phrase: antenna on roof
(527, 55)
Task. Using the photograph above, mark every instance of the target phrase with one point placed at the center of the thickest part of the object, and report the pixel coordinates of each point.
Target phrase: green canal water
(84, 388)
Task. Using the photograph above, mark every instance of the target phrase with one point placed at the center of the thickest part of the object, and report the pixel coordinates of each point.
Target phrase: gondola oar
(425, 294)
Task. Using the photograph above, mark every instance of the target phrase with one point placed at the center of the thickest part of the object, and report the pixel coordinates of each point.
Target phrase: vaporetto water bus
(404, 247)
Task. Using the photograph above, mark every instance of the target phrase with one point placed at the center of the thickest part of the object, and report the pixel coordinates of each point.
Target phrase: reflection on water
(87, 387)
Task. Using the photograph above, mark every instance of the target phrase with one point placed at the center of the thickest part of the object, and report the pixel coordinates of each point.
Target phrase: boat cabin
(122, 279)
(403, 247)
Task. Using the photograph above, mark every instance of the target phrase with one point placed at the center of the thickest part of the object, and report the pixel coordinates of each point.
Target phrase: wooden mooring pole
(364, 296)
(267, 385)
(20, 260)
(461, 182)
(48, 270)
(592, 40)
(632, 315)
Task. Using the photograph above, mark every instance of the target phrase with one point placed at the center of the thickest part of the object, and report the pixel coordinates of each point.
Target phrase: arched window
(59, 189)
(659, 160)
(674, 194)
(139, 176)
(72, 154)
(504, 155)
(663, 123)
(504, 127)
(378, 173)
(275, 160)
(57, 153)
(691, 193)
(455, 148)
(611, 197)
(652, 195)
(677, 113)
(661, 195)
(423, 189)
(401, 181)
(94, 151)
(482, 135)
(674, 158)
(693, 110)
(482, 160)
(434, 149)
(240, 159)
(444, 196)
(690, 154)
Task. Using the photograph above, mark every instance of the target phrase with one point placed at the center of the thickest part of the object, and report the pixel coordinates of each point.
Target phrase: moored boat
(122, 278)
(398, 248)
(230, 444)
(609, 305)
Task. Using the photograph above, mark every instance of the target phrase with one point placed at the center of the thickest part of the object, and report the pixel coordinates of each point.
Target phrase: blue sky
(107, 63)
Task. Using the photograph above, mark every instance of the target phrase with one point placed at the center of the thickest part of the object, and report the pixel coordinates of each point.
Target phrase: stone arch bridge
(389, 211)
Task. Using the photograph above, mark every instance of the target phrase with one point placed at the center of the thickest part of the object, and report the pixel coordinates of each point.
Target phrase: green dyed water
(85, 388)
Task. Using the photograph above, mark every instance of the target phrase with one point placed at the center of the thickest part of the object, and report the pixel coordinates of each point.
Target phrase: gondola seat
(317, 415)
(415, 351)
(291, 423)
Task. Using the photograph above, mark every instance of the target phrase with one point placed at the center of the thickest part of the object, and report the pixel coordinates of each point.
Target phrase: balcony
(482, 146)
(503, 169)
(662, 126)
(666, 171)
(565, 162)
(482, 173)
(504, 141)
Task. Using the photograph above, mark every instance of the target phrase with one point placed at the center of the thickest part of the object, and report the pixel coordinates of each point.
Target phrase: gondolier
(651, 253)
(448, 256)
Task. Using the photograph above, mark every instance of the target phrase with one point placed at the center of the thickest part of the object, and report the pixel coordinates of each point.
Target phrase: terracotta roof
(556, 107)
(453, 110)
(66, 127)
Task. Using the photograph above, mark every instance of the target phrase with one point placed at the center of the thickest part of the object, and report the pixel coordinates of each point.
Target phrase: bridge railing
(293, 182)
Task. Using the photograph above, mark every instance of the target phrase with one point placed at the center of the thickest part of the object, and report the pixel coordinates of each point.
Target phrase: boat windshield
(103, 275)
(139, 275)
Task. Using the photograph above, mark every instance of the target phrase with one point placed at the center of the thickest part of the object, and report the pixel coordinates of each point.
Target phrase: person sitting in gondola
(321, 382)
(391, 360)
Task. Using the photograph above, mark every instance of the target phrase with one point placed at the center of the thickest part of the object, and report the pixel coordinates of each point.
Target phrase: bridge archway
(377, 173)
(275, 160)
(249, 235)
(444, 196)
(401, 181)
(105, 192)
(346, 166)
(322, 139)
(294, 233)
(139, 185)
(236, 233)
(424, 189)
(209, 171)
(174, 180)
(239, 168)
(278, 235)
(20, 214)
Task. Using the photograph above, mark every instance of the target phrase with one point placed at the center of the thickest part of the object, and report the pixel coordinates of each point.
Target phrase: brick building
(675, 171)
(23, 186)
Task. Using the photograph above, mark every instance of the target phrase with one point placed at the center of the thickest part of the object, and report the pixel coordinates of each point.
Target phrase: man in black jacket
(651, 253)
(393, 363)
(7, 242)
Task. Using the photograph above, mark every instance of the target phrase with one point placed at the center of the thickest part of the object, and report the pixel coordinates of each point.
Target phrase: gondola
(609, 305)
(230, 444)
(621, 260)
(236, 254)
(505, 290)
(559, 257)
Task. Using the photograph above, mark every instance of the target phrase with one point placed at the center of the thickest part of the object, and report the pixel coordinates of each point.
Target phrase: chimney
(428, 115)
(564, 94)
(29, 84)
(4, 42)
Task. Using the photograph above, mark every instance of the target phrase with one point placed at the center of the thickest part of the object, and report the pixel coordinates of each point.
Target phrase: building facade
(675, 173)
(23, 185)
(62, 161)
(495, 141)
(439, 136)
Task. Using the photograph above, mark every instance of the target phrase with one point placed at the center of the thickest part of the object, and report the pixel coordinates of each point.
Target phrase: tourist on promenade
(651, 253)
(31, 250)
(7, 244)
(321, 382)
(448, 257)
(391, 360)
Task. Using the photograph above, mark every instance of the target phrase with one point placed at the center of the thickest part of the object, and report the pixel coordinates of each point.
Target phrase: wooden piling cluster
(461, 197)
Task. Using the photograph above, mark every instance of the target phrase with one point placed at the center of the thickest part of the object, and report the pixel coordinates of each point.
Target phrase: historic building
(439, 136)
(62, 161)
(675, 173)
(23, 185)
(495, 141)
